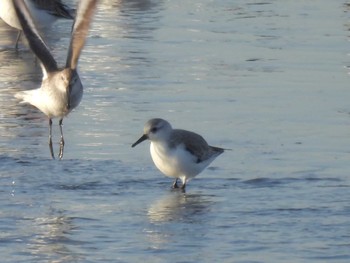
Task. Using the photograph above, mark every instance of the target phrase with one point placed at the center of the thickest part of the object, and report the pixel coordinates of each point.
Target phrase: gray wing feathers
(80, 30)
(195, 144)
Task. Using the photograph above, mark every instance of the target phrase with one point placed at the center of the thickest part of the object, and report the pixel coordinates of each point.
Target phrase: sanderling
(44, 13)
(177, 153)
(61, 89)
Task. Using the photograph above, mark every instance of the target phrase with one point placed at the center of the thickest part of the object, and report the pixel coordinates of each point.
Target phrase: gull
(177, 153)
(44, 13)
(61, 89)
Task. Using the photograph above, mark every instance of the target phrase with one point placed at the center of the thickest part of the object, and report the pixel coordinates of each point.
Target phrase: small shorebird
(61, 89)
(44, 13)
(177, 153)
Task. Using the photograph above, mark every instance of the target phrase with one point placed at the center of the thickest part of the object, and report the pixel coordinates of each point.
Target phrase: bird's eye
(154, 129)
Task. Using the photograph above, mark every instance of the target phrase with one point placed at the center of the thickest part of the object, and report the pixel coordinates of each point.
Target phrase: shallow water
(267, 79)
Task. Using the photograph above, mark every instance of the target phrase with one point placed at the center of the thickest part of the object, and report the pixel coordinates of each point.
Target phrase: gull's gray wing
(35, 41)
(80, 30)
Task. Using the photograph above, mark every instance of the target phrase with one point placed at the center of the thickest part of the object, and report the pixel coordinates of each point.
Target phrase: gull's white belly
(53, 104)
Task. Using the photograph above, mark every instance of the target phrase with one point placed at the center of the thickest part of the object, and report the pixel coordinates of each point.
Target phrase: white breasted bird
(177, 153)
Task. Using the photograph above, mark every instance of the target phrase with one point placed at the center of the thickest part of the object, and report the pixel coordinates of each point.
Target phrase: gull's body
(61, 89)
(43, 12)
(53, 101)
(177, 153)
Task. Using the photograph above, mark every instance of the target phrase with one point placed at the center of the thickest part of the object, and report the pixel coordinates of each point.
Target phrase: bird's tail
(219, 150)
(22, 96)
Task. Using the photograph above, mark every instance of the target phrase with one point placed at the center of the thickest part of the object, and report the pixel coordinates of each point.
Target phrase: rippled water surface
(268, 80)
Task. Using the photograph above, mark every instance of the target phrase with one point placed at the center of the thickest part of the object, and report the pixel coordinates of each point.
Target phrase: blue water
(268, 80)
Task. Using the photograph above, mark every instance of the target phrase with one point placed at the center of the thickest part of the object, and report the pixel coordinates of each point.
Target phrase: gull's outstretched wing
(35, 41)
(80, 30)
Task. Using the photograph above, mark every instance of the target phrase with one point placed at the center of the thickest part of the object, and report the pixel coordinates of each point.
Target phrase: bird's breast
(164, 159)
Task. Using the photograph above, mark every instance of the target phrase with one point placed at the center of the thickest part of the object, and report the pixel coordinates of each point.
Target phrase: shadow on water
(264, 182)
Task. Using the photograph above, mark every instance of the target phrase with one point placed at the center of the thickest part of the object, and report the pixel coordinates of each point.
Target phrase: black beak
(143, 138)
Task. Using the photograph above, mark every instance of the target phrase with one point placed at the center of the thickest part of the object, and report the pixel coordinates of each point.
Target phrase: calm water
(266, 79)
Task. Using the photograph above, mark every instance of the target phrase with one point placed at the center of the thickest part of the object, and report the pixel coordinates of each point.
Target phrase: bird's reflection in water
(178, 207)
(52, 238)
(178, 216)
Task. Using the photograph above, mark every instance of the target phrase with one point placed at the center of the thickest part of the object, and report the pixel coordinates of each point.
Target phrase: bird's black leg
(50, 139)
(17, 40)
(61, 141)
(174, 186)
(183, 187)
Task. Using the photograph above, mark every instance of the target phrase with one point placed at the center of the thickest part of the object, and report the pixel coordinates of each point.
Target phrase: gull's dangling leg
(50, 139)
(183, 186)
(62, 140)
(17, 39)
(174, 186)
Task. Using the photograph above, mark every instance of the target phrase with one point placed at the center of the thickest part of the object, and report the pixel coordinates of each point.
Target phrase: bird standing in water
(177, 153)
